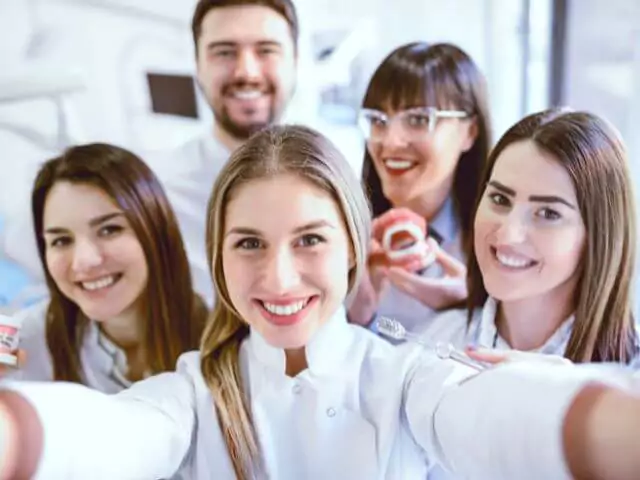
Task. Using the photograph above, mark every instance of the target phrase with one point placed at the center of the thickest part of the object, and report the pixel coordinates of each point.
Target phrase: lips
(288, 312)
(100, 283)
(247, 95)
(397, 166)
(512, 260)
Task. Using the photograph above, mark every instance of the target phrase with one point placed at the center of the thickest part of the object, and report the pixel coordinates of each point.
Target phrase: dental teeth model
(402, 235)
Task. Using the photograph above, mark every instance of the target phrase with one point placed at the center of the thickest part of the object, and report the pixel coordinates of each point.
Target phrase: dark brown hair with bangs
(442, 76)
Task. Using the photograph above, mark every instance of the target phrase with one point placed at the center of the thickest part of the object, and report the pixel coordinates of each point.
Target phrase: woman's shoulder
(449, 326)
(33, 321)
(170, 389)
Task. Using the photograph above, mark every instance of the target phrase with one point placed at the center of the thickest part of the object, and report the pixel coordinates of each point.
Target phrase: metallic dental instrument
(393, 329)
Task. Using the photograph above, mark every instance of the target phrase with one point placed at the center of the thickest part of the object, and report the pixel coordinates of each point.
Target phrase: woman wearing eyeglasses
(427, 129)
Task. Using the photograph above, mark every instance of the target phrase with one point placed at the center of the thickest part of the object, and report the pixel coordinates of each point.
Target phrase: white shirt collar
(105, 356)
(488, 336)
(327, 352)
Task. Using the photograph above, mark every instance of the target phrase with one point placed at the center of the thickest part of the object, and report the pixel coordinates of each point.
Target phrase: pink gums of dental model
(401, 233)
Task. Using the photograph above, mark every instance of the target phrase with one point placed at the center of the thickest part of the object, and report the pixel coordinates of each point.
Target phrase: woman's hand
(436, 293)
(364, 304)
(22, 358)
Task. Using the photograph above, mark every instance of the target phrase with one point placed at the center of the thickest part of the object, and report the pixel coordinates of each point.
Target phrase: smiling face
(414, 164)
(529, 233)
(286, 256)
(91, 251)
(246, 66)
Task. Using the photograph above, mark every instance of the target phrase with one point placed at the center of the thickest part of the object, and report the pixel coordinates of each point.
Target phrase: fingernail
(472, 348)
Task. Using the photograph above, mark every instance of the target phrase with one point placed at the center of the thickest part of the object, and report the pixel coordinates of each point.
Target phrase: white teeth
(398, 164)
(513, 262)
(98, 284)
(283, 310)
(247, 94)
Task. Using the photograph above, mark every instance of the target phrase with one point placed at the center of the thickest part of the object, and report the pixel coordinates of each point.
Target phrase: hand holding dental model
(401, 233)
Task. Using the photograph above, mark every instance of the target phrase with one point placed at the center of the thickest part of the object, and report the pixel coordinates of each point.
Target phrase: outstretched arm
(525, 421)
(64, 430)
(601, 435)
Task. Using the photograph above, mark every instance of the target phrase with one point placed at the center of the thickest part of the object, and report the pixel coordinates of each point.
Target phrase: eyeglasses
(416, 123)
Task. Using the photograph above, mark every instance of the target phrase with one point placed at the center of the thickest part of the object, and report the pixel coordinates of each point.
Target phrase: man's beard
(243, 132)
(237, 131)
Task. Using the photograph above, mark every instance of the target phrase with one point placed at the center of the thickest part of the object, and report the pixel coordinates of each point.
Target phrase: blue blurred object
(15, 283)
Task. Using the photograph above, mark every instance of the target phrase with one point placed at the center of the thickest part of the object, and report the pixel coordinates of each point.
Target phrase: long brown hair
(443, 76)
(596, 160)
(276, 150)
(175, 315)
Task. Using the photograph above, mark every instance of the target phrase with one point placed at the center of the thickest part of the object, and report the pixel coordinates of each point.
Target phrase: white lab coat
(452, 326)
(187, 174)
(104, 364)
(364, 409)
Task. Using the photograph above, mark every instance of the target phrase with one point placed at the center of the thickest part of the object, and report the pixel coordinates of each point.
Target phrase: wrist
(8, 443)
(21, 436)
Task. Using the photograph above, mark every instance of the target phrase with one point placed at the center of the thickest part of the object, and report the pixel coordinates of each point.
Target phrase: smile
(286, 313)
(285, 310)
(100, 283)
(246, 94)
(513, 261)
(399, 165)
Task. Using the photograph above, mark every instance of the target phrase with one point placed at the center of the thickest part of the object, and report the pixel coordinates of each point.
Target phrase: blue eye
(311, 240)
(251, 243)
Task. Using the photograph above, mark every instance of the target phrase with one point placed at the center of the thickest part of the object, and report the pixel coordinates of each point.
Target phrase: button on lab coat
(364, 409)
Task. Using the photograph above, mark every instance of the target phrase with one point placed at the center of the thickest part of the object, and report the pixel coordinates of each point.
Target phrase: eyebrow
(304, 228)
(533, 198)
(94, 222)
(231, 44)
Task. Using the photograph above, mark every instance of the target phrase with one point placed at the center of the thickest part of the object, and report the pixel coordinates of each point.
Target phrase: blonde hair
(274, 151)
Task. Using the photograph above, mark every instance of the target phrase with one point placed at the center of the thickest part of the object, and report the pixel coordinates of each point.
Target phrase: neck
(225, 138)
(529, 323)
(429, 204)
(296, 361)
(123, 330)
(126, 333)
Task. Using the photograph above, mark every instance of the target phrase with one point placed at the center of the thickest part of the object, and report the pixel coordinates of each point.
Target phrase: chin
(506, 293)
(101, 313)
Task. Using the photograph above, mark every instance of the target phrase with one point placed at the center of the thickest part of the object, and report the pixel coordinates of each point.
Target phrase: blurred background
(94, 70)
(76, 70)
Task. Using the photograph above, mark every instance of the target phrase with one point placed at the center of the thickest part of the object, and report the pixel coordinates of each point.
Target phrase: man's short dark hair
(283, 7)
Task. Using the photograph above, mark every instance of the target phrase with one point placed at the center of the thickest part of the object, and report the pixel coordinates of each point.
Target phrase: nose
(282, 273)
(511, 230)
(86, 255)
(247, 66)
(394, 135)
